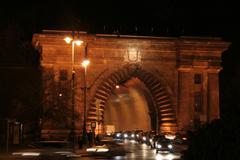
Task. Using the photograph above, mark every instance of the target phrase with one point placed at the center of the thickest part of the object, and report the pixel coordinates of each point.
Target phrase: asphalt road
(134, 150)
(143, 152)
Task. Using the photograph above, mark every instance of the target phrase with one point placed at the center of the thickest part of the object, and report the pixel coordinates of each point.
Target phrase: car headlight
(133, 135)
(125, 135)
(159, 146)
(144, 138)
(184, 138)
(170, 146)
(119, 134)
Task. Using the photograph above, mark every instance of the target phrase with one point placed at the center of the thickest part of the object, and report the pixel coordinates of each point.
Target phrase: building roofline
(62, 31)
(131, 36)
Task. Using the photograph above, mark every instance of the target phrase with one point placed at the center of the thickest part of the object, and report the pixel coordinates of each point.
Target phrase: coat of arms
(132, 55)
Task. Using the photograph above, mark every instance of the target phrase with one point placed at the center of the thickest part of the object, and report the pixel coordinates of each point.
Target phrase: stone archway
(189, 66)
(165, 114)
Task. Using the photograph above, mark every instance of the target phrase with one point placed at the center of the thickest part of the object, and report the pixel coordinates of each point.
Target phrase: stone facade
(181, 74)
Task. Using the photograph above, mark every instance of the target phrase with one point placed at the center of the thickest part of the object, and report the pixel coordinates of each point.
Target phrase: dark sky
(162, 17)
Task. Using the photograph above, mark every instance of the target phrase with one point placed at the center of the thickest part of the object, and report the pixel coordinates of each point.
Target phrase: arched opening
(160, 110)
(129, 107)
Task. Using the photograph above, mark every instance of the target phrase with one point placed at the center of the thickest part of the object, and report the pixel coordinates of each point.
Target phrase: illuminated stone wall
(186, 67)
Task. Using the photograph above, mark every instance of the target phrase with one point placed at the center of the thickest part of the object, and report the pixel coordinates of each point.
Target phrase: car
(164, 145)
(135, 134)
(140, 137)
(149, 137)
(107, 148)
(145, 138)
(181, 138)
(154, 140)
(118, 135)
(127, 134)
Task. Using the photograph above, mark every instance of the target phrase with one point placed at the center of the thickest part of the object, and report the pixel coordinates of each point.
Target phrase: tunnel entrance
(156, 104)
(130, 107)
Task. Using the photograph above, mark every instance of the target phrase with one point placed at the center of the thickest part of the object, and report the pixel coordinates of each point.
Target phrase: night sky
(21, 19)
(162, 18)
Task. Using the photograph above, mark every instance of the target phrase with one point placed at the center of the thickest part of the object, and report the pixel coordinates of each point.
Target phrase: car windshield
(164, 140)
(159, 137)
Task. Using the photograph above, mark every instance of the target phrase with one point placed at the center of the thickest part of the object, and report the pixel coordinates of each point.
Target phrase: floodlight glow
(78, 42)
(68, 39)
(85, 63)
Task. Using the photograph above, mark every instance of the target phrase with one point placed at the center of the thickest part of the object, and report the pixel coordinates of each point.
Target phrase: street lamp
(73, 43)
(85, 63)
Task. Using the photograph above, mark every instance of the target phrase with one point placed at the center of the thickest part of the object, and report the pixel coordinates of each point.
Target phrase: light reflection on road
(168, 156)
(140, 152)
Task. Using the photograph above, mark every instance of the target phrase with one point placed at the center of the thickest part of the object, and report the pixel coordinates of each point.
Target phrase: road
(142, 152)
(135, 151)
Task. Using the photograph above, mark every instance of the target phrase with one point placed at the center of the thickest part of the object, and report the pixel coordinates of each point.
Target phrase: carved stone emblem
(132, 55)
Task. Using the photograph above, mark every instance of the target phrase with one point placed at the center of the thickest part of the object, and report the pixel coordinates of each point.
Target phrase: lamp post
(73, 42)
(85, 63)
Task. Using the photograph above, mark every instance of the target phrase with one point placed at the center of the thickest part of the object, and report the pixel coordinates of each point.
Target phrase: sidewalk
(44, 151)
(12, 148)
(4, 155)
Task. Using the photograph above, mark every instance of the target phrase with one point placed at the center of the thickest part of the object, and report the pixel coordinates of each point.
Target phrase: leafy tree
(55, 101)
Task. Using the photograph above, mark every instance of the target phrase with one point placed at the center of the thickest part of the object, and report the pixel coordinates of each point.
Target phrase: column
(185, 98)
(213, 96)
